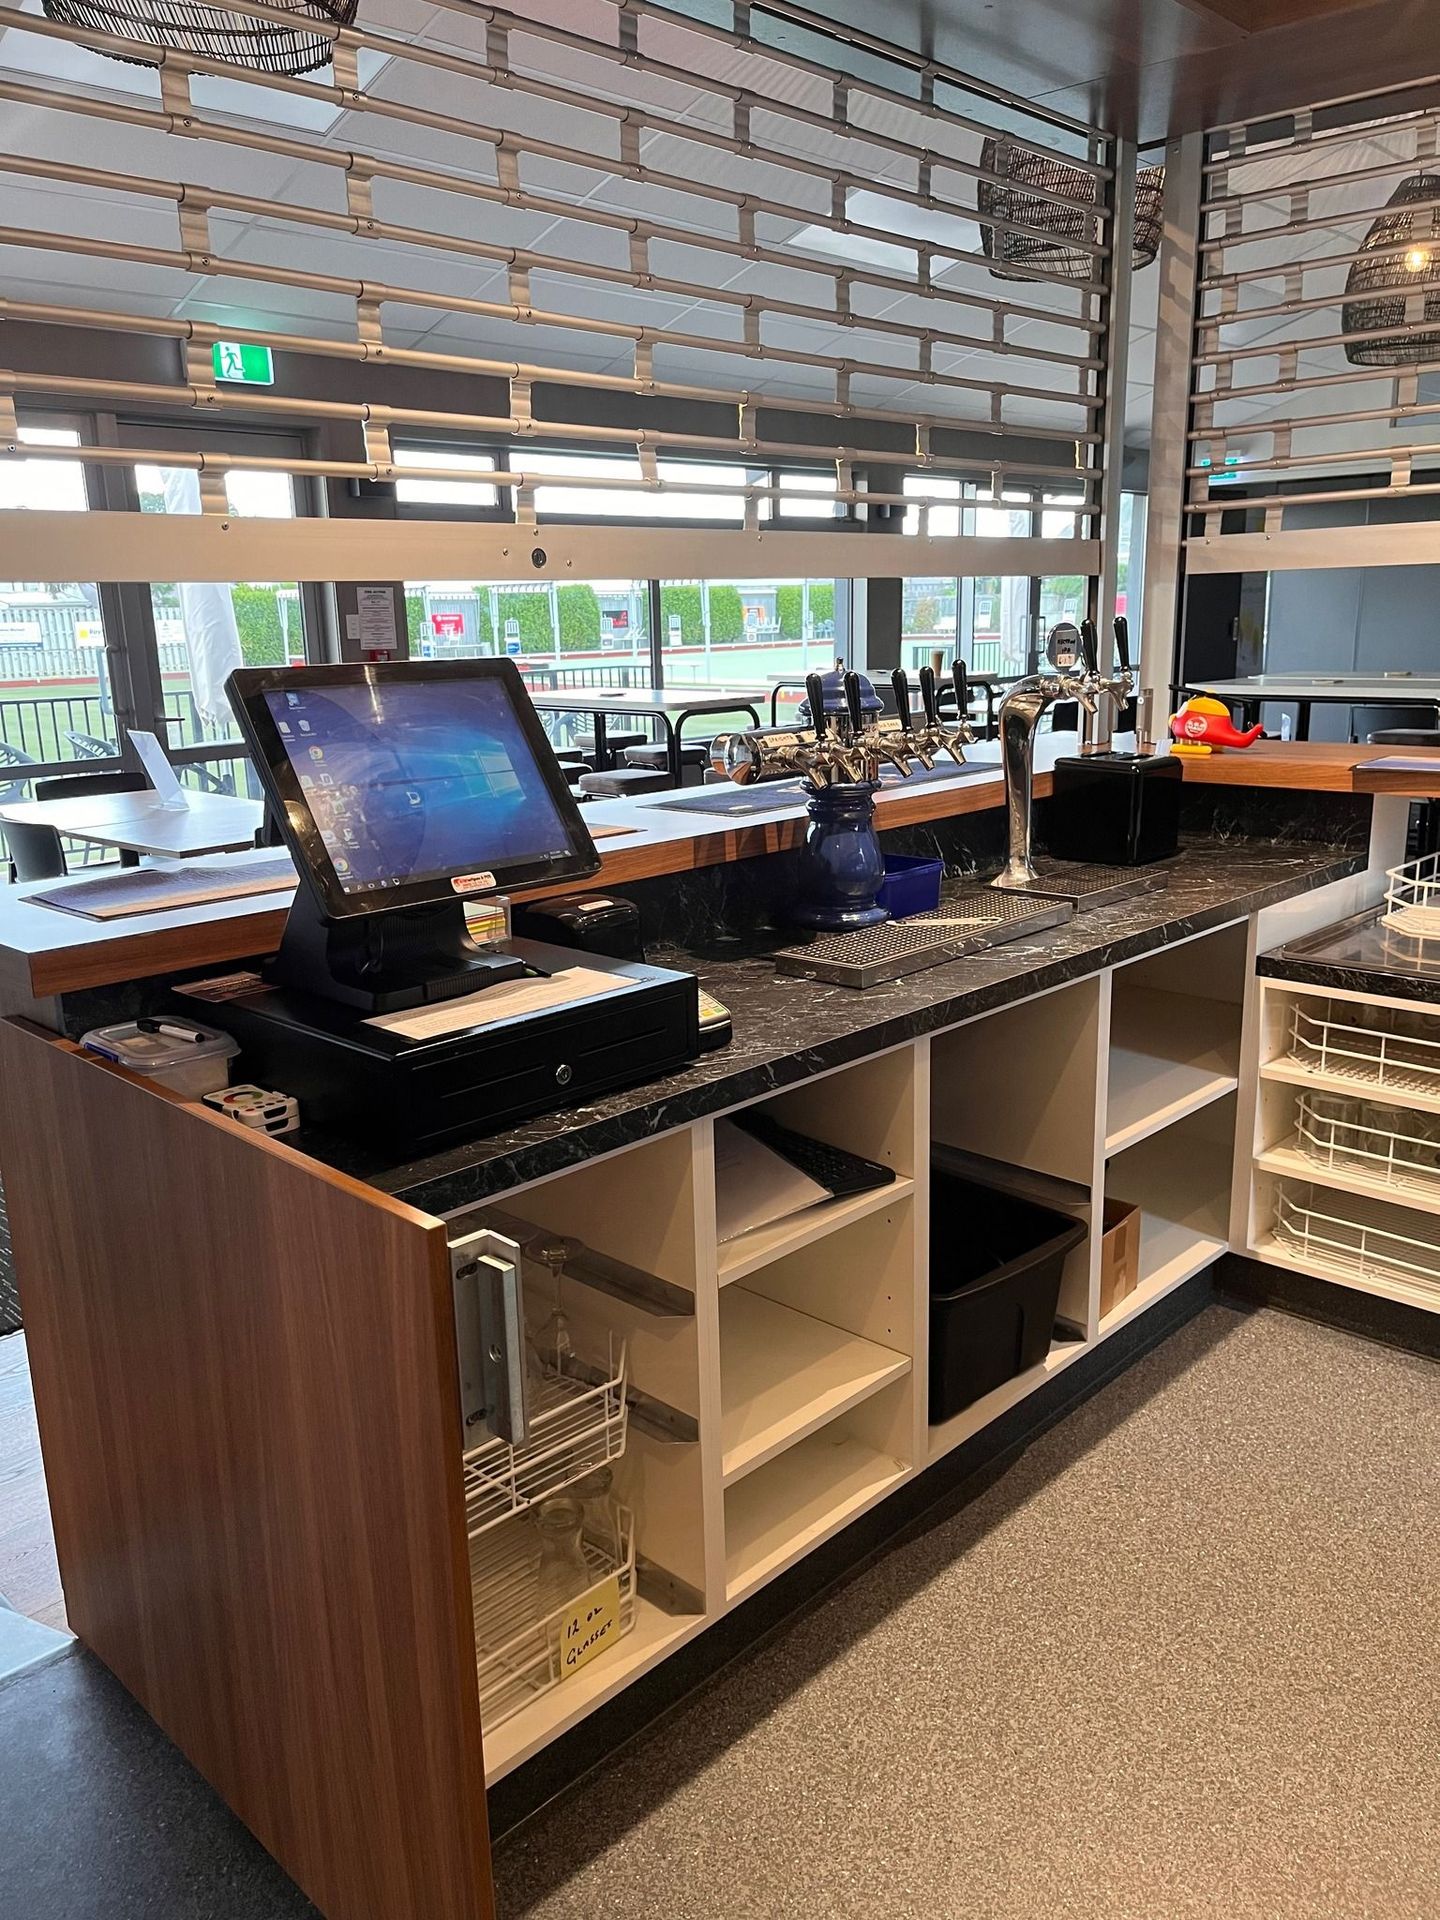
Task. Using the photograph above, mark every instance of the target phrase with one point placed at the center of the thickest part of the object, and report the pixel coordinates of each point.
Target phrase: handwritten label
(591, 1625)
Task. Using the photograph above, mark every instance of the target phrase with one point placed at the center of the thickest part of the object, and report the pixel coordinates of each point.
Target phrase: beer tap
(846, 745)
(914, 744)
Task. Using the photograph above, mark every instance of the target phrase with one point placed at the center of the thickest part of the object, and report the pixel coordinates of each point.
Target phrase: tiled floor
(29, 1577)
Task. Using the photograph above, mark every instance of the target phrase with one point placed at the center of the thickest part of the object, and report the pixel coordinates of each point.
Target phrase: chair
(656, 759)
(621, 782)
(81, 786)
(35, 852)
(89, 746)
(13, 757)
(615, 745)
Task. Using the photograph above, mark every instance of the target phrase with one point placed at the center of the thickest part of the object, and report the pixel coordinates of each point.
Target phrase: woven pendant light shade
(190, 26)
(1398, 257)
(1058, 245)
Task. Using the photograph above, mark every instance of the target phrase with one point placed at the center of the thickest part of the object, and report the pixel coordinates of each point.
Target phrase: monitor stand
(385, 962)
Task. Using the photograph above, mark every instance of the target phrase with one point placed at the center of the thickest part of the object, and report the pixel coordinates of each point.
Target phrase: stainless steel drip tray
(1087, 887)
(968, 922)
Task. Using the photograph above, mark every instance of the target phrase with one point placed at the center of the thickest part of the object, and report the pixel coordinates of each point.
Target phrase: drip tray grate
(1087, 887)
(969, 922)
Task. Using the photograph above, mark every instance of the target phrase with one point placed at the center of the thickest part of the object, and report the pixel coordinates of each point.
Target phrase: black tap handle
(1090, 646)
(900, 681)
(1122, 642)
(962, 690)
(927, 696)
(851, 684)
(815, 694)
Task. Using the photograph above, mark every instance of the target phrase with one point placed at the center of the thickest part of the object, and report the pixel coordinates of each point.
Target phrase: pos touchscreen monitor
(401, 789)
(413, 782)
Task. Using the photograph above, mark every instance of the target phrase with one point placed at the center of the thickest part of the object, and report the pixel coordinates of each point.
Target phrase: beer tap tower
(839, 754)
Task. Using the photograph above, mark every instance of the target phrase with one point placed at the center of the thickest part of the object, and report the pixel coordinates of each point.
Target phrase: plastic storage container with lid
(187, 1058)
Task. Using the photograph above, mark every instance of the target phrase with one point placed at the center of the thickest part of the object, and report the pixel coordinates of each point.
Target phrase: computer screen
(412, 782)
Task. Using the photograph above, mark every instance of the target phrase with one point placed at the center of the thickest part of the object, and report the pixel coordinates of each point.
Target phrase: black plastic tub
(995, 1264)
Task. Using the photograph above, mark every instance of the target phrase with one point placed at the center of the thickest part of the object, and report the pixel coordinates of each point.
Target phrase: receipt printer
(591, 922)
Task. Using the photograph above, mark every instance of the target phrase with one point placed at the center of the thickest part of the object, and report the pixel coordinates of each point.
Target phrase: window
(445, 493)
(56, 701)
(203, 630)
(633, 502)
(590, 633)
(746, 632)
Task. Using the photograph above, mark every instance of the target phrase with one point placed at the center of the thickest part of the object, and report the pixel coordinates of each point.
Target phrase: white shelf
(777, 1515)
(783, 1374)
(1170, 1055)
(1288, 1160)
(1170, 1254)
(1270, 1250)
(969, 1421)
(654, 1636)
(1286, 1070)
(748, 1252)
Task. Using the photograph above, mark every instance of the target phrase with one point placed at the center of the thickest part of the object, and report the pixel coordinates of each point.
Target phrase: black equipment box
(354, 1076)
(1115, 809)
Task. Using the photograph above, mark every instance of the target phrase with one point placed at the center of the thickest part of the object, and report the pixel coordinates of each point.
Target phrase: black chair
(85, 786)
(621, 782)
(615, 745)
(35, 852)
(268, 833)
(656, 759)
(1424, 834)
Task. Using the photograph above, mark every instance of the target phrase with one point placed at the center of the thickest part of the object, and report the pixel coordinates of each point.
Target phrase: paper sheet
(501, 1002)
(754, 1185)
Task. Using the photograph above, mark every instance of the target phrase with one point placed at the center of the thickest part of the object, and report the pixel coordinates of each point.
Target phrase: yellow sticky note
(591, 1625)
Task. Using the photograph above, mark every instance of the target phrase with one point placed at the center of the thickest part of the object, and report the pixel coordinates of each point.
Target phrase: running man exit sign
(243, 364)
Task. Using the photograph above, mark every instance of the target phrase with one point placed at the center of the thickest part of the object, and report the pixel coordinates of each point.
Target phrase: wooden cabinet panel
(245, 1380)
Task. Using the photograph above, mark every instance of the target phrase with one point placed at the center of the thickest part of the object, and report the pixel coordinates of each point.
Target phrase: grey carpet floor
(1179, 1663)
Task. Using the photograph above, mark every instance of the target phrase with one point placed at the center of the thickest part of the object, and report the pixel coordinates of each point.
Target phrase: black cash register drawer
(359, 1079)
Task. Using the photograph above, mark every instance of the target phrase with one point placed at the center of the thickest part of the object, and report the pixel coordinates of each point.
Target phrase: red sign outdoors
(448, 626)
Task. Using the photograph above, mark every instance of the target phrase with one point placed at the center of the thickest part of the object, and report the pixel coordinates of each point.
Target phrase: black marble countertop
(787, 1029)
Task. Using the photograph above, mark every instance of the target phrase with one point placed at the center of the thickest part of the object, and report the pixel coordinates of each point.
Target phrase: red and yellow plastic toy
(1203, 725)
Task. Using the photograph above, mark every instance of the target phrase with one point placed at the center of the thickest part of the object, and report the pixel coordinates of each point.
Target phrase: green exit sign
(242, 363)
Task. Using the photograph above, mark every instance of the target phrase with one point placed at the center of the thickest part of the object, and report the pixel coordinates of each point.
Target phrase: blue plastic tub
(911, 885)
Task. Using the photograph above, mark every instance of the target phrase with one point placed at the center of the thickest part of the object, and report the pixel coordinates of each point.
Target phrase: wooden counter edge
(267, 1544)
(1320, 766)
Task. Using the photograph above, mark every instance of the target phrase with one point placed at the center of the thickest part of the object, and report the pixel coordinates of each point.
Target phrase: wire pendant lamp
(1399, 258)
(1057, 246)
(213, 32)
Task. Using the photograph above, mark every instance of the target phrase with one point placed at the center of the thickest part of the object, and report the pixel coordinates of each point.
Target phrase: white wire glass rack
(1359, 1237)
(1390, 1145)
(1412, 898)
(574, 1425)
(1391, 1054)
(517, 1650)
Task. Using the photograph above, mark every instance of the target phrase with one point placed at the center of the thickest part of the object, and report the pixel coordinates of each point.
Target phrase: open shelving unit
(785, 1373)
(801, 1497)
(1174, 1035)
(1363, 1219)
(761, 1246)
(1180, 1179)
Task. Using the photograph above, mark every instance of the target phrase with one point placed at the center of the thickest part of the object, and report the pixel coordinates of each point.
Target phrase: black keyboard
(841, 1173)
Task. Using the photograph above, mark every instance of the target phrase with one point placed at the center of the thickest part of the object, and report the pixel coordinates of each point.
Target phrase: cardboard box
(1119, 1254)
